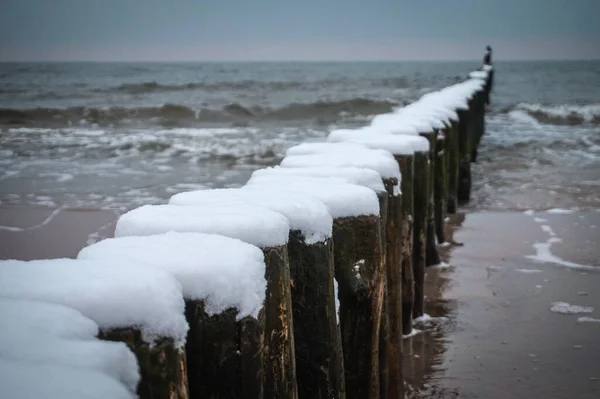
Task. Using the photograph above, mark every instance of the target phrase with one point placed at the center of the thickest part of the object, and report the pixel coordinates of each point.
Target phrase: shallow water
(115, 136)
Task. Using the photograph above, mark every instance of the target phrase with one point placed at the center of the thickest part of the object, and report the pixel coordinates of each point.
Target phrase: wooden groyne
(300, 284)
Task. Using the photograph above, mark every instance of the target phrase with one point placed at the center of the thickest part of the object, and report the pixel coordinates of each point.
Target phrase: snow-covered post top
(379, 160)
(349, 174)
(113, 294)
(341, 199)
(479, 74)
(47, 319)
(397, 144)
(320, 147)
(252, 224)
(304, 213)
(222, 272)
(487, 68)
(34, 380)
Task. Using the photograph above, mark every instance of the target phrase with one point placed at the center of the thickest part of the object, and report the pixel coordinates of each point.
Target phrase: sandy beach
(501, 333)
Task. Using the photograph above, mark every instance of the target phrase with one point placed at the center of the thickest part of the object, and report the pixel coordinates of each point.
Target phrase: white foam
(529, 212)
(412, 333)
(111, 358)
(113, 294)
(566, 308)
(341, 199)
(221, 271)
(528, 271)
(548, 230)
(349, 174)
(371, 159)
(560, 211)
(20, 380)
(305, 213)
(545, 255)
(539, 220)
(585, 112)
(45, 319)
(37, 226)
(255, 225)
(427, 321)
(587, 320)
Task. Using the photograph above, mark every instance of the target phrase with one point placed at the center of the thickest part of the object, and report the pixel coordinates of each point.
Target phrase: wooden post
(440, 190)
(361, 278)
(421, 205)
(431, 253)
(278, 339)
(406, 163)
(162, 366)
(452, 143)
(319, 360)
(464, 164)
(392, 384)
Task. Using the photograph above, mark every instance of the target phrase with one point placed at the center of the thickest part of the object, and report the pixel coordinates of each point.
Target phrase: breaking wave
(182, 115)
(567, 115)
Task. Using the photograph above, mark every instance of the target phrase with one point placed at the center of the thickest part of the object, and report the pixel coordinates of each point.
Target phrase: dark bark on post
(361, 279)
(212, 353)
(440, 189)
(392, 383)
(453, 155)
(421, 204)
(278, 345)
(431, 253)
(162, 367)
(406, 163)
(319, 363)
(384, 333)
(464, 167)
(478, 122)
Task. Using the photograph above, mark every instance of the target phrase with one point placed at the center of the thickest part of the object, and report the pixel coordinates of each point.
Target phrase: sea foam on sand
(566, 308)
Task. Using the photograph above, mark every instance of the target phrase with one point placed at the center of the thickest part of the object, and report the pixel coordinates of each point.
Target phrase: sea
(120, 135)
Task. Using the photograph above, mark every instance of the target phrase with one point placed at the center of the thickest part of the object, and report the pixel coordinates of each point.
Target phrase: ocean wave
(566, 114)
(182, 115)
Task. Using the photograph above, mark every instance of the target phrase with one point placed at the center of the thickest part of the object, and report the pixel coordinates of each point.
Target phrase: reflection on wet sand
(501, 339)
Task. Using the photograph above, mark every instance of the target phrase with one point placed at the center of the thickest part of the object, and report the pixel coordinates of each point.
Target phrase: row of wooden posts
(296, 347)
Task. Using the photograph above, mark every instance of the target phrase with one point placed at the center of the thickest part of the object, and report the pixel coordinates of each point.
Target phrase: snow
(342, 199)
(372, 159)
(487, 68)
(113, 294)
(478, 75)
(320, 147)
(221, 271)
(559, 211)
(529, 212)
(566, 308)
(305, 213)
(397, 144)
(46, 319)
(111, 358)
(19, 380)
(586, 319)
(412, 333)
(337, 300)
(392, 121)
(253, 224)
(349, 174)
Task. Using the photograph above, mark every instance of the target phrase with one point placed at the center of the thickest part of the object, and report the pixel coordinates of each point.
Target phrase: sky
(306, 30)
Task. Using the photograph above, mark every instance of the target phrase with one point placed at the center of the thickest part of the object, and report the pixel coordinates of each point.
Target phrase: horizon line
(181, 61)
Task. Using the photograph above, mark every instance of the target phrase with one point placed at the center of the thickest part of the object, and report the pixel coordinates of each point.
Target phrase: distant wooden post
(452, 149)
(421, 205)
(431, 253)
(441, 187)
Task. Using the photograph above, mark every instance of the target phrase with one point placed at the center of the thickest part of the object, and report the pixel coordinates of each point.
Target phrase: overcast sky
(297, 29)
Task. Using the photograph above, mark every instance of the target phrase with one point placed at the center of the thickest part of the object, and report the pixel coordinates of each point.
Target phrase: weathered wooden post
(224, 289)
(319, 364)
(441, 186)
(136, 305)
(267, 230)
(390, 375)
(358, 271)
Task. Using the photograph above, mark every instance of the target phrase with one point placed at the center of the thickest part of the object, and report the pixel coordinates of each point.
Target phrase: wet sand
(496, 337)
(41, 233)
(500, 339)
